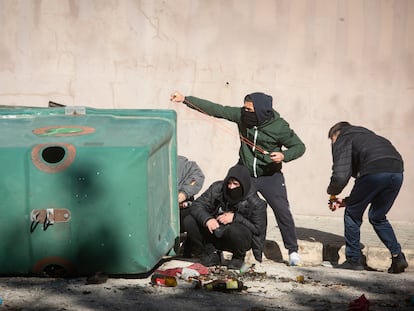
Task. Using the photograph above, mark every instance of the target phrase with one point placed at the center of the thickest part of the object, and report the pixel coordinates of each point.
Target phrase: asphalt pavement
(321, 241)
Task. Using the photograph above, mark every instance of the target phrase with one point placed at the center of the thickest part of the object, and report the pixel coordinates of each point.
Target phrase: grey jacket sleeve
(190, 177)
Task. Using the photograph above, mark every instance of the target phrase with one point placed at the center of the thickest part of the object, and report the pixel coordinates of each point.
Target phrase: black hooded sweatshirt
(248, 210)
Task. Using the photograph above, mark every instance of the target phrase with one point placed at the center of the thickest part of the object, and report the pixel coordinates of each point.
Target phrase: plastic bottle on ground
(163, 280)
(225, 285)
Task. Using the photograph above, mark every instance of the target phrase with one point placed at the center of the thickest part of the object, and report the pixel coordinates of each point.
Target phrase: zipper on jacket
(254, 148)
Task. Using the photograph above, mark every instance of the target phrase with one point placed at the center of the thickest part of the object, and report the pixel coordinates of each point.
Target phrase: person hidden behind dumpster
(190, 181)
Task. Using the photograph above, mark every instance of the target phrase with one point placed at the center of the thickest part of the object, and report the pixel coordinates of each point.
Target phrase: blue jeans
(379, 190)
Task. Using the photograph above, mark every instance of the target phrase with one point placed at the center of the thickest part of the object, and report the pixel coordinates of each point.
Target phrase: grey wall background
(323, 61)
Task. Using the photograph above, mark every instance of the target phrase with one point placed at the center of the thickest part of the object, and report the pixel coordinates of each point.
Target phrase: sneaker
(235, 264)
(351, 265)
(211, 259)
(294, 259)
(399, 263)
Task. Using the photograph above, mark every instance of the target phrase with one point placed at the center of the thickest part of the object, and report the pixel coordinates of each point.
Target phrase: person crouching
(228, 216)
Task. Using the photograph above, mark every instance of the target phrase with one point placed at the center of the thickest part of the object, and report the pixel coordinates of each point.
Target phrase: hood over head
(241, 173)
(262, 106)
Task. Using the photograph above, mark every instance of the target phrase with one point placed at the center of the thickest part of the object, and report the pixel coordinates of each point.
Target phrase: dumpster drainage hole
(54, 270)
(53, 154)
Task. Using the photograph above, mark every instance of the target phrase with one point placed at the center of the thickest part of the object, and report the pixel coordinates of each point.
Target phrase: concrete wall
(322, 60)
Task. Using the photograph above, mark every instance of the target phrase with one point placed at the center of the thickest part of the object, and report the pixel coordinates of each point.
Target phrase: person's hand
(177, 97)
(212, 224)
(181, 197)
(277, 157)
(335, 203)
(225, 218)
(340, 202)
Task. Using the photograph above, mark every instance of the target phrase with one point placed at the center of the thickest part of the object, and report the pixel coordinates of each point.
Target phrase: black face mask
(234, 195)
(249, 118)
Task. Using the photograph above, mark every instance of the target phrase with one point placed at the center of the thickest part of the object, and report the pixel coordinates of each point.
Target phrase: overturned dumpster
(85, 190)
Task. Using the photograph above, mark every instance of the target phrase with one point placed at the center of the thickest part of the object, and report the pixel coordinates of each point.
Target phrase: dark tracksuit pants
(184, 212)
(273, 189)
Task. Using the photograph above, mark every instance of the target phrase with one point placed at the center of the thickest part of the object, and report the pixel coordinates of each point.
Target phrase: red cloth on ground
(203, 270)
(360, 304)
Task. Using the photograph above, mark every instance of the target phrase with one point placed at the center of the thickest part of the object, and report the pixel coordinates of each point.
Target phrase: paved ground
(321, 239)
(270, 285)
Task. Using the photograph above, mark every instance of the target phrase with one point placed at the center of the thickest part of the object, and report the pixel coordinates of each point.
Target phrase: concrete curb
(316, 254)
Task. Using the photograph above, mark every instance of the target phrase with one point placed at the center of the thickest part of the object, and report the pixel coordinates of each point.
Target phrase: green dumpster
(86, 190)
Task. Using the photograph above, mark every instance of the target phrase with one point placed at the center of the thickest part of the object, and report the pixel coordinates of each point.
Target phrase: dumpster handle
(49, 220)
(46, 224)
(33, 226)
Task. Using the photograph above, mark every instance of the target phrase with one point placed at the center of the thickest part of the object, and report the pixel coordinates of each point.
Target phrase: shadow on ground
(331, 243)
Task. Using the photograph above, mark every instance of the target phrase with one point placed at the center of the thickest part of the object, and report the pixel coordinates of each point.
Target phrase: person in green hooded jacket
(266, 141)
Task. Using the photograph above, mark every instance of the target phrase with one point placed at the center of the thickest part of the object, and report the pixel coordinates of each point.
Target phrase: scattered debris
(97, 278)
(360, 304)
(160, 279)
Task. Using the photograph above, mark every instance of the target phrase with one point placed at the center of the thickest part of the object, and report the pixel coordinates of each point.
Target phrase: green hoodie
(272, 133)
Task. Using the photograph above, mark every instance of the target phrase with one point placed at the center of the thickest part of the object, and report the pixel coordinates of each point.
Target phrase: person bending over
(378, 171)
